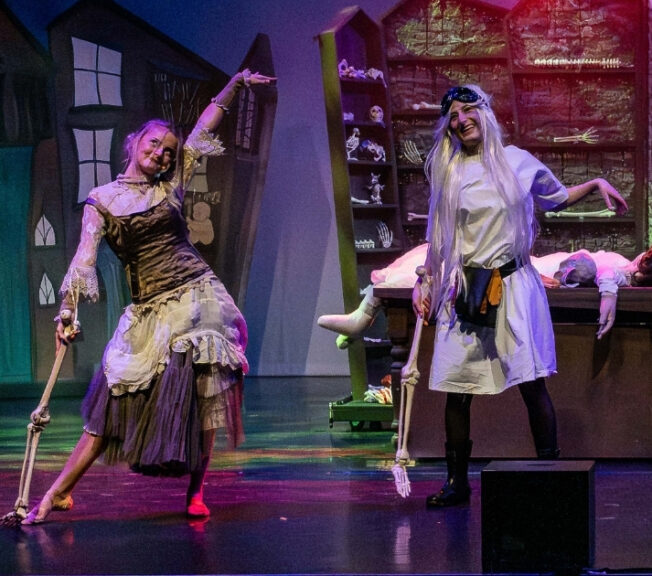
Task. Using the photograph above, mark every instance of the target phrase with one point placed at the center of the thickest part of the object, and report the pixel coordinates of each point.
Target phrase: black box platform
(538, 516)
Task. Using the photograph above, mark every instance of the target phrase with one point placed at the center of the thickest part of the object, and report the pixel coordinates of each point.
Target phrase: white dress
(521, 347)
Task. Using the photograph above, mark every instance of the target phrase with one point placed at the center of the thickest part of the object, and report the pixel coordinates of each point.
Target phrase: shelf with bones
(366, 203)
(572, 95)
(582, 108)
(373, 200)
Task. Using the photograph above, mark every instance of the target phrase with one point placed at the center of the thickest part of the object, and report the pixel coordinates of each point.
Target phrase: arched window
(46, 294)
(44, 233)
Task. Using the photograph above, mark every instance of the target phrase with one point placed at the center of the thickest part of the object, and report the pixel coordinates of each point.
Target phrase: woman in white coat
(493, 327)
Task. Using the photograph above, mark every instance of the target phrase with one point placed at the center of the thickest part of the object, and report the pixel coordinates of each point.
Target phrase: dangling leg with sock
(354, 324)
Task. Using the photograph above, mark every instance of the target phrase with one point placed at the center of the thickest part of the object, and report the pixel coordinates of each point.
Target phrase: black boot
(456, 489)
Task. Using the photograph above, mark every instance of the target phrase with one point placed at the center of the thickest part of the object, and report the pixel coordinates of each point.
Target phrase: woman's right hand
(65, 333)
(421, 300)
(250, 78)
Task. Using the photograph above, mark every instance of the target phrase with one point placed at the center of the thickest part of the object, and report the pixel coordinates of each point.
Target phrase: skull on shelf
(376, 114)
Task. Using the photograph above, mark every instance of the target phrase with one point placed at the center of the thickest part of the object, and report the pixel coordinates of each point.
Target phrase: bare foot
(49, 503)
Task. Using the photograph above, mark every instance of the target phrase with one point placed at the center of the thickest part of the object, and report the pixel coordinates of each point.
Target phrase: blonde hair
(443, 169)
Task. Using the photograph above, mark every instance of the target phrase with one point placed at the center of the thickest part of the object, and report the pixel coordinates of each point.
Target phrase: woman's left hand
(612, 197)
(607, 313)
(252, 78)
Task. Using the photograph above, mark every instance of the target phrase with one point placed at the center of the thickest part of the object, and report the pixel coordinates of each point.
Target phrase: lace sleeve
(81, 277)
(200, 142)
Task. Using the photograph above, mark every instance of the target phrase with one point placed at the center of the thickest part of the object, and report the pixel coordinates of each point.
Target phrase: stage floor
(297, 498)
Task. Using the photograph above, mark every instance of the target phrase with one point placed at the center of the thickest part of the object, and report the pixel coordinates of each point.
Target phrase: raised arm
(203, 140)
(213, 114)
(612, 198)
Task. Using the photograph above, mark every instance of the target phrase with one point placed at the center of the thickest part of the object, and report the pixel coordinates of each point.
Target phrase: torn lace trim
(209, 348)
(175, 294)
(81, 279)
(201, 142)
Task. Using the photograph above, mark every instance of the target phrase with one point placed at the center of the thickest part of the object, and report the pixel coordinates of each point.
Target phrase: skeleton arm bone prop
(604, 213)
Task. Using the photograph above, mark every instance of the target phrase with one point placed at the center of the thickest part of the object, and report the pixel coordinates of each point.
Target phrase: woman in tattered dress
(172, 373)
(493, 326)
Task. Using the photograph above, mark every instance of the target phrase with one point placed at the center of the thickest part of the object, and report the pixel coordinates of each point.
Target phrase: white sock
(355, 323)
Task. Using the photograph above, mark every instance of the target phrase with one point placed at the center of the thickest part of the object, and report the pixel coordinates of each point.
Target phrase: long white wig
(443, 170)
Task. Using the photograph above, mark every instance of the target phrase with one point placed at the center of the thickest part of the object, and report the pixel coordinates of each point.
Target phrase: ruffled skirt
(173, 368)
(158, 431)
(200, 315)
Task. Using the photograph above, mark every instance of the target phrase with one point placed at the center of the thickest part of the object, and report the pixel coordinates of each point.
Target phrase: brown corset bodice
(154, 249)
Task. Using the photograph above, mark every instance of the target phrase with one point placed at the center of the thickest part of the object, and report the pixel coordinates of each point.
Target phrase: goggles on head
(459, 93)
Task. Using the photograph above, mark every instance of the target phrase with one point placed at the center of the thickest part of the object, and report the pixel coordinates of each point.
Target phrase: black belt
(509, 268)
(468, 304)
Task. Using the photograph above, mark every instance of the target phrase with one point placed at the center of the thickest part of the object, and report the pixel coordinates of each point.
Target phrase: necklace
(129, 184)
(132, 195)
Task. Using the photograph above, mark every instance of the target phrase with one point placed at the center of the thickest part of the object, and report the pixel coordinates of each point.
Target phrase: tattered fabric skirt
(173, 368)
(158, 431)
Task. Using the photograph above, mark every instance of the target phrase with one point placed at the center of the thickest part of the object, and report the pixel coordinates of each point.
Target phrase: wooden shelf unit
(553, 70)
(355, 38)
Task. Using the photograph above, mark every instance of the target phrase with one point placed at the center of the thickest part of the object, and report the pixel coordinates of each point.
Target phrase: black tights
(541, 414)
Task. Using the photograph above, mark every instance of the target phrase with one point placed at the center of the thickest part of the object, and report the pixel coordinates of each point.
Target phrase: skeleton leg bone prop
(409, 378)
(40, 418)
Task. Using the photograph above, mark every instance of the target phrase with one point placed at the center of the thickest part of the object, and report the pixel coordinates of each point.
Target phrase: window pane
(44, 233)
(103, 173)
(46, 292)
(109, 60)
(109, 88)
(86, 180)
(85, 88)
(84, 54)
(85, 145)
(103, 140)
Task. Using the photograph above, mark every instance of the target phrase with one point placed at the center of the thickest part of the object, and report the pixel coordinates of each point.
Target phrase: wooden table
(602, 392)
